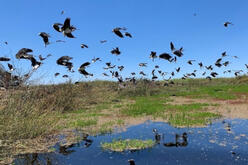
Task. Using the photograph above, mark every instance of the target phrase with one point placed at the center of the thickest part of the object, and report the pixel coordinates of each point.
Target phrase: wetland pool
(222, 142)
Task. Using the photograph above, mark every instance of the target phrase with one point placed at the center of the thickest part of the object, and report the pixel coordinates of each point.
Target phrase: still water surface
(223, 142)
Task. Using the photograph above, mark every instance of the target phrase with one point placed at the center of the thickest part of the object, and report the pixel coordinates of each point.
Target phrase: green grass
(145, 106)
(187, 115)
(106, 127)
(191, 119)
(225, 92)
(177, 115)
(128, 144)
(83, 123)
(120, 122)
(186, 107)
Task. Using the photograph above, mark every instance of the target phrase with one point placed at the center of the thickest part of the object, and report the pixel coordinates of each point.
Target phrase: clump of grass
(106, 127)
(191, 119)
(120, 122)
(187, 115)
(27, 114)
(145, 106)
(83, 123)
(128, 144)
(186, 107)
(224, 92)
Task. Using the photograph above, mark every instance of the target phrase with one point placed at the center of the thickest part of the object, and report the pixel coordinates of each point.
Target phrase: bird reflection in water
(180, 141)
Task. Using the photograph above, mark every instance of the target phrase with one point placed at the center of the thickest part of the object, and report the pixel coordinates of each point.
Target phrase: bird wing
(69, 35)
(85, 64)
(67, 23)
(172, 46)
(118, 33)
(56, 27)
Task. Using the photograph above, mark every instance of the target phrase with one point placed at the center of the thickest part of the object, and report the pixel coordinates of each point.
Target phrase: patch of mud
(227, 108)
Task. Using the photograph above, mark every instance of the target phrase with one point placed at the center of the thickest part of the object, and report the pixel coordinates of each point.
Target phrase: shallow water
(223, 142)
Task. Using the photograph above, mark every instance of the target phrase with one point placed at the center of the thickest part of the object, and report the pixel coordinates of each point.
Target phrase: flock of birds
(115, 71)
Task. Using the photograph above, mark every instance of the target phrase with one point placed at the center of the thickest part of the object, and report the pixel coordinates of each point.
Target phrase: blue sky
(153, 24)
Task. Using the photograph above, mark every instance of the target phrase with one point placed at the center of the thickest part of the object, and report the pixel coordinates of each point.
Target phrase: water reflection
(224, 142)
(36, 159)
(66, 149)
(178, 142)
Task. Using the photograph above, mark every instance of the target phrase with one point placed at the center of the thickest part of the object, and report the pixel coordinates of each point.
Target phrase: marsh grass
(176, 115)
(145, 106)
(83, 123)
(194, 119)
(128, 144)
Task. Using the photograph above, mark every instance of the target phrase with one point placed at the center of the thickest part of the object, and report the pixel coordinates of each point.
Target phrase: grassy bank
(128, 144)
(35, 112)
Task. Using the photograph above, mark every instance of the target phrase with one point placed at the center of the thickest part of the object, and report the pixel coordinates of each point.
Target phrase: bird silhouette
(84, 46)
(115, 51)
(118, 32)
(45, 38)
(131, 162)
(227, 23)
(128, 34)
(4, 59)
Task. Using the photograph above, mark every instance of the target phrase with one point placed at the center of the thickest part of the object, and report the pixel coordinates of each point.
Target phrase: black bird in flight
(103, 41)
(95, 59)
(246, 65)
(45, 38)
(209, 67)
(128, 34)
(227, 23)
(142, 73)
(65, 28)
(23, 53)
(165, 56)
(226, 63)
(105, 74)
(84, 46)
(172, 47)
(208, 77)
(116, 51)
(224, 54)
(65, 61)
(4, 59)
(82, 70)
(190, 62)
(143, 64)
(60, 41)
(56, 74)
(179, 52)
(213, 74)
(35, 64)
(120, 68)
(11, 68)
(117, 31)
(153, 55)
